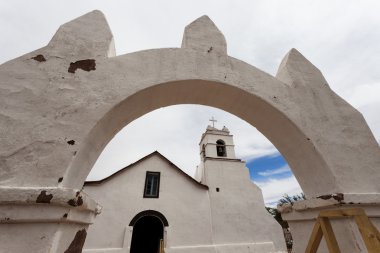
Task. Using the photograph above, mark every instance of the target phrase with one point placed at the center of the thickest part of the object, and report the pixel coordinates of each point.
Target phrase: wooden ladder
(322, 227)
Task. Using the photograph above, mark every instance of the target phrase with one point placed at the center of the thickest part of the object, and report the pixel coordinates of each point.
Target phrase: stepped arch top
(61, 112)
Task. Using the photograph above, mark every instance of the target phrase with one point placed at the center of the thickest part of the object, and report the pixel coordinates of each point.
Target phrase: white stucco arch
(283, 133)
(61, 104)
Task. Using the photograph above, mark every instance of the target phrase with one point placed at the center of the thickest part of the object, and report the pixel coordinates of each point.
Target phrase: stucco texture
(61, 104)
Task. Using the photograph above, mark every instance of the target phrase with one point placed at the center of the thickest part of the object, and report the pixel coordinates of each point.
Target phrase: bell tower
(236, 203)
(215, 146)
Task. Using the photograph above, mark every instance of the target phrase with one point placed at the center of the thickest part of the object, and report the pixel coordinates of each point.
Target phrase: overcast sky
(342, 38)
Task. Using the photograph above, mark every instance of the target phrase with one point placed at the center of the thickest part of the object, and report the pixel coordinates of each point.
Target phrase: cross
(213, 121)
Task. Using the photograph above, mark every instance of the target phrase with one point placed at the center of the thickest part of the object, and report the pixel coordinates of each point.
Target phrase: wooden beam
(315, 238)
(322, 227)
(328, 233)
(341, 213)
(369, 233)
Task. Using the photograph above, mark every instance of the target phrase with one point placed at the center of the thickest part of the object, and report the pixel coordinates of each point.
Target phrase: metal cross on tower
(213, 121)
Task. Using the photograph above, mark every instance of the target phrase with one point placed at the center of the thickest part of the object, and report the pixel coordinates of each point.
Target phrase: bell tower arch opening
(221, 148)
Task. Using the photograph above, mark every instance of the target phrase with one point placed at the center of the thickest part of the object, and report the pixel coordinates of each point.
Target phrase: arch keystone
(296, 70)
(88, 36)
(203, 35)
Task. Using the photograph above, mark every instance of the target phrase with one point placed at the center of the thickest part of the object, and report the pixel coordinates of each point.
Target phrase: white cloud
(274, 189)
(365, 94)
(277, 171)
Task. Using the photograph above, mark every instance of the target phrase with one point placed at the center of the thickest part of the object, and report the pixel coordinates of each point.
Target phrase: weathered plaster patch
(86, 65)
(71, 142)
(72, 202)
(79, 201)
(337, 196)
(44, 198)
(76, 202)
(39, 58)
(77, 244)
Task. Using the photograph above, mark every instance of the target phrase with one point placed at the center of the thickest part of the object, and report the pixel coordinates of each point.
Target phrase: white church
(152, 206)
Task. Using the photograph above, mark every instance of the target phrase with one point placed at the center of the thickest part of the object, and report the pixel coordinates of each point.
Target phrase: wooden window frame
(158, 174)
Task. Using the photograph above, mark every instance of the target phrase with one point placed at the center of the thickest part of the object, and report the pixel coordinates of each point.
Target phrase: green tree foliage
(284, 224)
(277, 216)
(286, 199)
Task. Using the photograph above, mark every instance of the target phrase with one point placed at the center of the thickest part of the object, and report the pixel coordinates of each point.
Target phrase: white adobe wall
(236, 222)
(184, 204)
(237, 210)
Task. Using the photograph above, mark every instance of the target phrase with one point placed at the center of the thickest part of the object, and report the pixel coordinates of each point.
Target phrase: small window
(221, 148)
(152, 184)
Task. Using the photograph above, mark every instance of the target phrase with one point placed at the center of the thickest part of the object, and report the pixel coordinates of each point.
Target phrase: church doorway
(148, 231)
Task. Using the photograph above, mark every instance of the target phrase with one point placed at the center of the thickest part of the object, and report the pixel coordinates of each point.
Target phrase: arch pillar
(61, 104)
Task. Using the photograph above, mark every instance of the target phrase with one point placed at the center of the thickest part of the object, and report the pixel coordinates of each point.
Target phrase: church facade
(152, 204)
